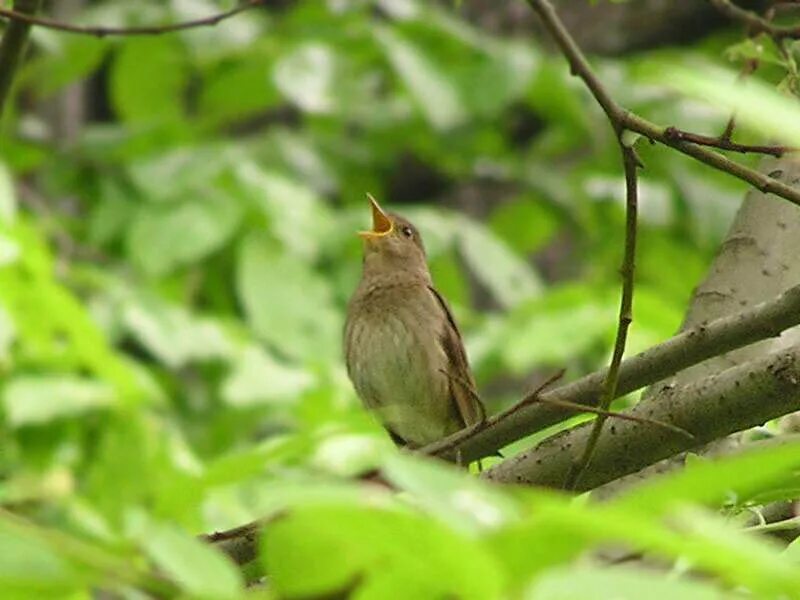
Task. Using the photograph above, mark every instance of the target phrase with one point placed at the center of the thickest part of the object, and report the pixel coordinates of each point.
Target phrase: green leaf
(36, 399)
(8, 197)
(148, 79)
(297, 216)
(29, 568)
(617, 583)
(257, 378)
(195, 566)
(436, 97)
(451, 494)
(287, 304)
(509, 278)
(755, 104)
(371, 550)
(306, 76)
(165, 237)
(173, 334)
(710, 482)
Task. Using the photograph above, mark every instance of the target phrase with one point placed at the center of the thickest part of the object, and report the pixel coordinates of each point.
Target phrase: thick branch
(13, 45)
(712, 408)
(26, 18)
(684, 350)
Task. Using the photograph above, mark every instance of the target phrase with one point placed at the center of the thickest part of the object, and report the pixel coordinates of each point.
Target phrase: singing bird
(402, 347)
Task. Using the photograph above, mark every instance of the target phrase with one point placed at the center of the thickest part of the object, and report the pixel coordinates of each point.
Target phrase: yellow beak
(381, 223)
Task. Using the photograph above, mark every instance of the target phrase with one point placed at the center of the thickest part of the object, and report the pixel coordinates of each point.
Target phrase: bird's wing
(462, 384)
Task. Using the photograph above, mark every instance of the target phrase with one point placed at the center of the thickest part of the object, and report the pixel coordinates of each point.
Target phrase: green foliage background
(173, 282)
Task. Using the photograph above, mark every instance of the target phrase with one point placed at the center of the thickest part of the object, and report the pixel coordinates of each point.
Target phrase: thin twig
(13, 45)
(628, 120)
(27, 19)
(786, 524)
(630, 164)
(723, 142)
(616, 415)
(754, 21)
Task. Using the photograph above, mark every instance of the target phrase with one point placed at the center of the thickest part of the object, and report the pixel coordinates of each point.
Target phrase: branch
(755, 22)
(657, 133)
(688, 348)
(712, 408)
(724, 142)
(631, 164)
(240, 544)
(26, 18)
(12, 46)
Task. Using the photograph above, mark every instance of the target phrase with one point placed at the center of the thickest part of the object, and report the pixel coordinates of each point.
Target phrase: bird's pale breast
(395, 357)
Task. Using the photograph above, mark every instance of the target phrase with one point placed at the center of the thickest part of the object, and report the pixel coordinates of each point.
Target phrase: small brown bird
(403, 349)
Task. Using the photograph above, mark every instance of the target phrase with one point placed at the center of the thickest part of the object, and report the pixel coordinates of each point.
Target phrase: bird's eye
(407, 231)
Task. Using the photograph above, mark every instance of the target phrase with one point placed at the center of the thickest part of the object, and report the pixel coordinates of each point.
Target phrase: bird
(403, 350)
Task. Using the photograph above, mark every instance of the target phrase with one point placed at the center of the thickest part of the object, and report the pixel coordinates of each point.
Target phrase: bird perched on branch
(403, 350)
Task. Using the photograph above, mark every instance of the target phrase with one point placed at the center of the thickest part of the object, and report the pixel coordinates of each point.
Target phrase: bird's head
(393, 244)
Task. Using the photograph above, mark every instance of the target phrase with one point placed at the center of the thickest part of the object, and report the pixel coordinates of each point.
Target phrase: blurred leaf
(710, 482)
(525, 224)
(452, 495)
(618, 583)
(297, 216)
(306, 76)
(755, 104)
(372, 550)
(154, 93)
(165, 237)
(435, 96)
(257, 378)
(36, 399)
(70, 59)
(195, 566)
(287, 304)
(29, 568)
(508, 277)
(8, 197)
(173, 335)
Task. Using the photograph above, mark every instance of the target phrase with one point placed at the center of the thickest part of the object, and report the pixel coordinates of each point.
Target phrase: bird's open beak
(381, 223)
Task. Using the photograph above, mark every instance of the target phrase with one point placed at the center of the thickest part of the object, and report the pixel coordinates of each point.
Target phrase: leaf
(617, 583)
(195, 566)
(286, 303)
(306, 77)
(36, 399)
(452, 495)
(710, 482)
(29, 567)
(372, 550)
(8, 197)
(257, 378)
(148, 79)
(509, 278)
(173, 334)
(297, 216)
(436, 97)
(755, 104)
(165, 237)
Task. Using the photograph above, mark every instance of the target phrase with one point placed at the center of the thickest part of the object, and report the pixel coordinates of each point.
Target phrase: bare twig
(631, 164)
(633, 122)
(723, 142)
(755, 22)
(26, 18)
(617, 415)
(13, 45)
